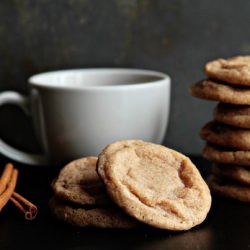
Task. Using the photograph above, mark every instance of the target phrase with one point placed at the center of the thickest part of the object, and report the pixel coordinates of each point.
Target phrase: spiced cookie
(78, 182)
(235, 172)
(229, 189)
(235, 115)
(154, 184)
(225, 135)
(220, 91)
(95, 216)
(80, 198)
(235, 70)
(226, 155)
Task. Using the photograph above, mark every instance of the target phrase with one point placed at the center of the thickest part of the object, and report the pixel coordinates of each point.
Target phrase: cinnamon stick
(29, 209)
(5, 177)
(8, 182)
(29, 213)
(6, 195)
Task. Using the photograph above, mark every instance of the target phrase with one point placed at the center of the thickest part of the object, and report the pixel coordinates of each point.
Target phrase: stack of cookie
(131, 183)
(228, 135)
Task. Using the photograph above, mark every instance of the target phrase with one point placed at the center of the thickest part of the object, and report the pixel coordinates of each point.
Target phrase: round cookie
(235, 172)
(91, 217)
(229, 189)
(78, 182)
(225, 155)
(154, 184)
(218, 91)
(224, 135)
(234, 115)
(235, 70)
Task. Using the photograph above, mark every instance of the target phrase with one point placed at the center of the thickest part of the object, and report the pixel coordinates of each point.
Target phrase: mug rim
(164, 79)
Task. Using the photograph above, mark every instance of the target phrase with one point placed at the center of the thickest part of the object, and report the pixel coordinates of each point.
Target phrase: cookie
(235, 70)
(154, 184)
(78, 182)
(235, 172)
(225, 135)
(95, 216)
(234, 115)
(229, 189)
(226, 155)
(220, 91)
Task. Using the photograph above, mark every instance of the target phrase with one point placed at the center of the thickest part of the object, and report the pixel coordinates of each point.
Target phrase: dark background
(176, 37)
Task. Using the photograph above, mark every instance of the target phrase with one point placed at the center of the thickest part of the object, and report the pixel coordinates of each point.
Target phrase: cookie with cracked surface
(229, 189)
(78, 182)
(95, 216)
(232, 172)
(235, 70)
(220, 91)
(234, 115)
(154, 184)
(226, 155)
(225, 135)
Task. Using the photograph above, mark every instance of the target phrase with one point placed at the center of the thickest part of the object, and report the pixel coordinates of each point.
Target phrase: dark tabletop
(226, 227)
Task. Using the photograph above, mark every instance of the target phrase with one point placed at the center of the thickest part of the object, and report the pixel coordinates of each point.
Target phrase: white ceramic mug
(76, 113)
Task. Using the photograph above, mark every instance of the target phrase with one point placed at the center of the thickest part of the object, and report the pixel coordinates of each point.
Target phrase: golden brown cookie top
(235, 70)
(78, 182)
(220, 91)
(225, 135)
(232, 172)
(226, 155)
(229, 189)
(154, 184)
(234, 115)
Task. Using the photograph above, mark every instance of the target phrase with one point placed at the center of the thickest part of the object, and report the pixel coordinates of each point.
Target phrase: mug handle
(11, 97)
